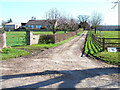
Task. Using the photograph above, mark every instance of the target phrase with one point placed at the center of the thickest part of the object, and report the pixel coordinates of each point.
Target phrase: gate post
(2, 40)
(29, 35)
(103, 44)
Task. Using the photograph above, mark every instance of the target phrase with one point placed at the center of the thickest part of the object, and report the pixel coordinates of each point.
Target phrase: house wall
(34, 26)
(9, 27)
(2, 40)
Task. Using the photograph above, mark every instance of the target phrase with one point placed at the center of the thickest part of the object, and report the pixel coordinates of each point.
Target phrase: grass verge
(8, 53)
(93, 51)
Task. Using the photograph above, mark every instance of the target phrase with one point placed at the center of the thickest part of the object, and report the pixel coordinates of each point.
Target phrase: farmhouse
(11, 26)
(108, 28)
(23, 25)
(41, 24)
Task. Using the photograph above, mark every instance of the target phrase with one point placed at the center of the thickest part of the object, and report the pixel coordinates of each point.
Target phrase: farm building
(108, 28)
(23, 25)
(11, 26)
(41, 24)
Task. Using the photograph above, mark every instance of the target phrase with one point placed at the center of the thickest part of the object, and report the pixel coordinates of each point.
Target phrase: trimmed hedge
(55, 38)
(45, 39)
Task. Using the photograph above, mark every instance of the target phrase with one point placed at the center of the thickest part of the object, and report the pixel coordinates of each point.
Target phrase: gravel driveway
(59, 67)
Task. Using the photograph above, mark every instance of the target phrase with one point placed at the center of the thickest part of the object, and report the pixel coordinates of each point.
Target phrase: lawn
(93, 51)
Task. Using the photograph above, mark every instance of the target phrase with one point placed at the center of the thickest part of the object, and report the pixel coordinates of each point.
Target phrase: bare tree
(53, 14)
(83, 19)
(73, 25)
(63, 22)
(115, 4)
(96, 20)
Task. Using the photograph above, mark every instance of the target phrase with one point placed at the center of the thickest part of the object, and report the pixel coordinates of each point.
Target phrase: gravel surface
(59, 67)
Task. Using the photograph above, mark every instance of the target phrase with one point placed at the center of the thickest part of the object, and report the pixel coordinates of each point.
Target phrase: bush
(43, 27)
(46, 39)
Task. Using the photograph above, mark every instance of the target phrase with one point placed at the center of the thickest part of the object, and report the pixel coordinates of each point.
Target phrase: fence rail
(103, 43)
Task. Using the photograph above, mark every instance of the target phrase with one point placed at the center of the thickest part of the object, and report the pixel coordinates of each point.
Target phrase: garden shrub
(55, 38)
(45, 39)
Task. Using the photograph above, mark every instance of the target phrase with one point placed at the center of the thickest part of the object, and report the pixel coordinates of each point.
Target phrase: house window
(30, 26)
(38, 26)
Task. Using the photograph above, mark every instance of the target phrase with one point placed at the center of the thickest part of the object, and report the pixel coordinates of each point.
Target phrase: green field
(15, 38)
(93, 51)
(109, 34)
(23, 32)
(18, 37)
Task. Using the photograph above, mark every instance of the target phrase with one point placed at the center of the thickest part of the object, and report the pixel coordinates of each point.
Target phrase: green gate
(15, 38)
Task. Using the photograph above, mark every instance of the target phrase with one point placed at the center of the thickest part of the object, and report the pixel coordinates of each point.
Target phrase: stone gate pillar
(29, 35)
(2, 40)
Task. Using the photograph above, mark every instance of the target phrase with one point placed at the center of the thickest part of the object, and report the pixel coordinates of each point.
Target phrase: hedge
(55, 38)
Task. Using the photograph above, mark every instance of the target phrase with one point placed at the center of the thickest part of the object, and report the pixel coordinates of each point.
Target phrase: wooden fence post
(103, 44)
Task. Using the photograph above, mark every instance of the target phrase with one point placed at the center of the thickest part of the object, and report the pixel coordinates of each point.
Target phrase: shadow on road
(69, 77)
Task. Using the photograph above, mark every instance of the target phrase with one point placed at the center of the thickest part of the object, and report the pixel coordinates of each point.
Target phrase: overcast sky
(23, 10)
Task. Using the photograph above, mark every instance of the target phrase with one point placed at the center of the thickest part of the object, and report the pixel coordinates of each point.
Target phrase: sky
(22, 10)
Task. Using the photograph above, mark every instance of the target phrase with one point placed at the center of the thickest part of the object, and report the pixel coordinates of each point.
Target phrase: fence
(103, 43)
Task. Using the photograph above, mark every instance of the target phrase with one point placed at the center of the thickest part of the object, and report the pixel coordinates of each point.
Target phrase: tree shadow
(69, 77)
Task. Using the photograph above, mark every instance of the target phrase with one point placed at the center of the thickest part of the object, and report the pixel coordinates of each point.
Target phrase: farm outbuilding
(41, 24)
(11, 26)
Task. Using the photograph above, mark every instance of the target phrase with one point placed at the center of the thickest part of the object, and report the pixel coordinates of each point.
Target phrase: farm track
(59, 67)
